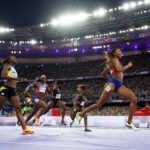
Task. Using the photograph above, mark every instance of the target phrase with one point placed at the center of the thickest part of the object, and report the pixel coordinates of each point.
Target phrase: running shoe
(63, 123)
(130, 125)
(71, 123)
(37, 122)
(33, 121)
(27, 131)
(78, 118)
(88, 130)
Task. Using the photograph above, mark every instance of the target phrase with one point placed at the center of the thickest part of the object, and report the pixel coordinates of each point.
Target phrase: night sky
(20, 13)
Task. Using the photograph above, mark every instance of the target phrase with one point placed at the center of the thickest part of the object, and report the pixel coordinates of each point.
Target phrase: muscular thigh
(41, 103)
(15, 101)
(108, 90)
(60, 104)
(125, 92)
(2, 101)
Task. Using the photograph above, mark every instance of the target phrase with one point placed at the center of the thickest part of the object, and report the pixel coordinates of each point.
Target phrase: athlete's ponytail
(109, 56)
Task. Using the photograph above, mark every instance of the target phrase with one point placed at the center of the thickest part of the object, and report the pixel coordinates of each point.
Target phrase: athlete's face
(43, 79)
(79, 89)
(13, 60)
(118, 53)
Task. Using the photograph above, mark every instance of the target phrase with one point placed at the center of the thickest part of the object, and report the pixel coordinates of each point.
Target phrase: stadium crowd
(91, 68)
(138, 83)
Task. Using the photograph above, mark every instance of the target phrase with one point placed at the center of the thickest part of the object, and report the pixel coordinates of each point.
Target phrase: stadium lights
(97, 47)
(144, 27)
(70, 19)
(3, 30)
(126, 6)
(131, 29)
(66, 20)
(101, 12)
(110, 10)
(33, 42)
(75, 49)
(140, 3)
(120, 7)
(41, 25)
(147, 2)
(54, 22)
(133, 4)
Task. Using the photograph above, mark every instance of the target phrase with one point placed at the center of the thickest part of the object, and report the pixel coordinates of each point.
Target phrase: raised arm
(26, 93)
(121, 68)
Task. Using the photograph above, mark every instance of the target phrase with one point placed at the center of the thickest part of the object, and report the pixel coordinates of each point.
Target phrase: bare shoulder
(7, 66)
(115, 60)
(35, 83)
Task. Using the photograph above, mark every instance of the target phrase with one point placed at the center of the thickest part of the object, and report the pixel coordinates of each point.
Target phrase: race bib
(36, 100)
(58, 96)
(82, 104)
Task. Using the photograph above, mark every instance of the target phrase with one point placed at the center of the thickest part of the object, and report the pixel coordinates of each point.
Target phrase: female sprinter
(27, 108)
(114, 84)
(56, 100)
(79, 102)
(8, 91)
(41, 89)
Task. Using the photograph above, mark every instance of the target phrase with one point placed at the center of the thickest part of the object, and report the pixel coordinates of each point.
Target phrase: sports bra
(56, 94)
(12, 72)
(114, 70)
(41, 87)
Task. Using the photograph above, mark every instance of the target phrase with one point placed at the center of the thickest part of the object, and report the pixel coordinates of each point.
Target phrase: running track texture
(65, 138)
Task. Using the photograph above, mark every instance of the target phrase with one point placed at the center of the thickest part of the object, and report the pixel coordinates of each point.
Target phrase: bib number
(58, 96)
(36, 100)
(82, 104)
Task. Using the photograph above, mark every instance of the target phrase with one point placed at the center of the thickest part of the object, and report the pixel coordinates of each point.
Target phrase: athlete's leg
(85, 121)
(16, 103)
(108, 90)
(73, 112)
(43, 107)
(127, 93)
(63, 106)
(2, 101)
(50, 105)
(34, 111)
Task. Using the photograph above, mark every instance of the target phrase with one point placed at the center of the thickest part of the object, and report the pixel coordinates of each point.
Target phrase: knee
(18, 109)
(134, 99)
(98, 105)
(45, 107)
(85, 116)
(64, 107)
